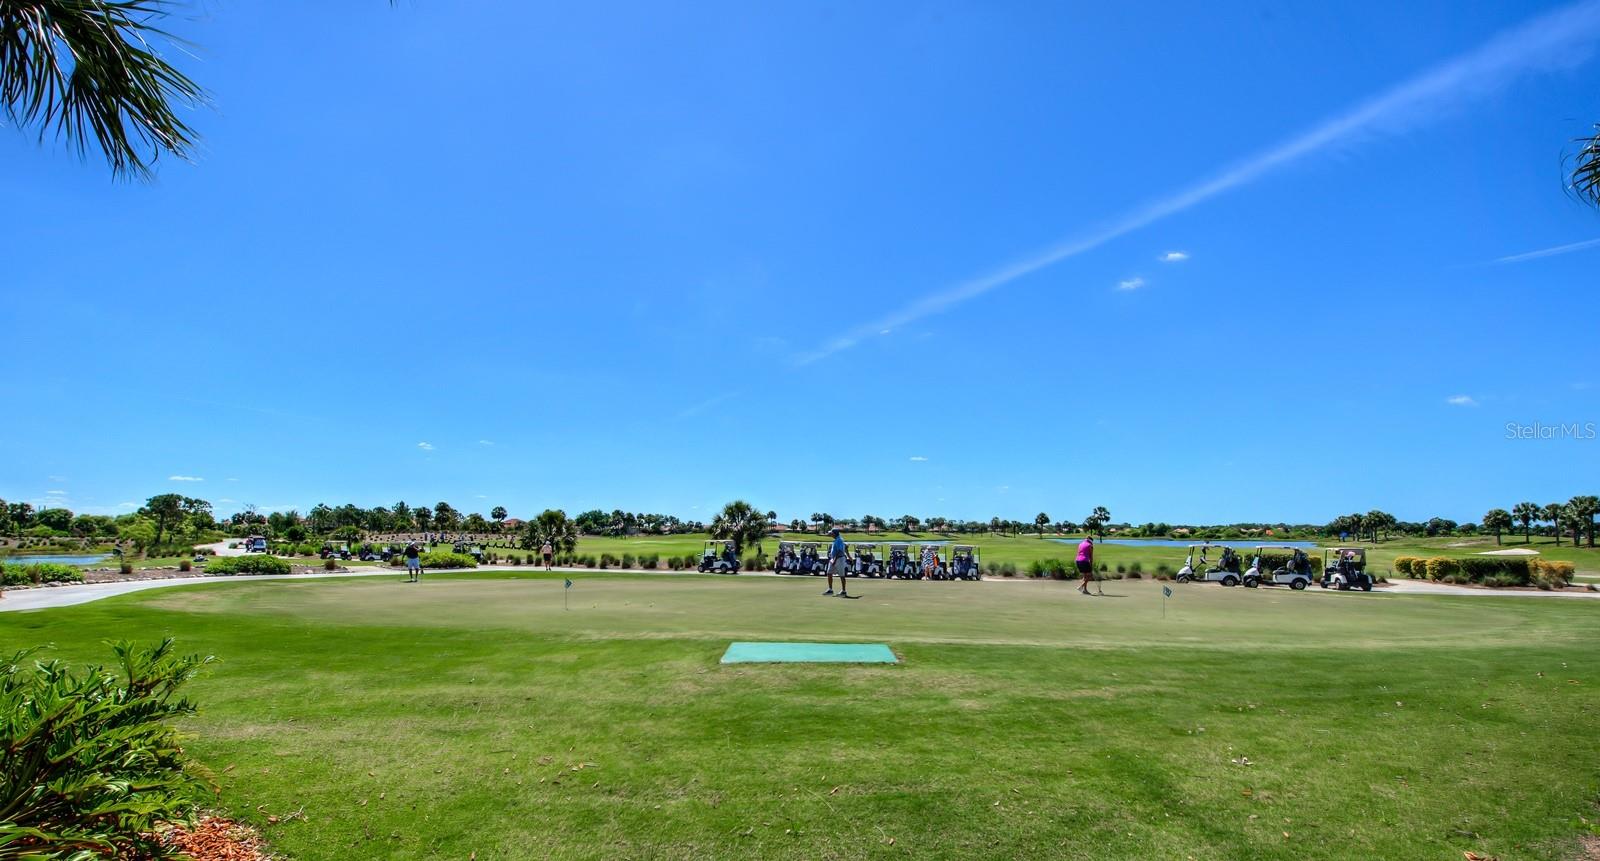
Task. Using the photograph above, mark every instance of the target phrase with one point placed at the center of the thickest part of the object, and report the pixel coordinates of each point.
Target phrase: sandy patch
(1519, 551)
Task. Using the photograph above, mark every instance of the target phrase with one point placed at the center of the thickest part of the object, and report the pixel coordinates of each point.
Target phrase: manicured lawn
(472, 713)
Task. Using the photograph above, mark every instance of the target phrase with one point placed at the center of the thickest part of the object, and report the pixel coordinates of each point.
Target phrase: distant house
(512, 523)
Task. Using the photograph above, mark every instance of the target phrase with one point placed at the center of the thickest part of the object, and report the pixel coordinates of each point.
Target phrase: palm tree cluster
(1575, 517)
(742, 524)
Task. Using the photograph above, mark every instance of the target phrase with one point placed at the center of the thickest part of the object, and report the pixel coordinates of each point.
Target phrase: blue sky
(894, 258)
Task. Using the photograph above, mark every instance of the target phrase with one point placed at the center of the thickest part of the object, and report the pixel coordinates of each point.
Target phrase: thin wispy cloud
(1175, 257)
(1130, 284)
(1554, 40)
(58, 478)
(697, 409)
(55, 493)
(184, 478)
(1550, 252)
(485, 442)
(127, 505)
(917, 458)
(425, 446)
(1461, 401)
(230, 479)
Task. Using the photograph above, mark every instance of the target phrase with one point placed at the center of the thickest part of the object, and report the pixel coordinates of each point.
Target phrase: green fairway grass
(471, 713)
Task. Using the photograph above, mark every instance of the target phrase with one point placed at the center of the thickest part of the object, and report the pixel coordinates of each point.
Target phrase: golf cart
(964, 562)
(813, 559)
(1294, 570)
(1227, 571)
(368, 553)
(941, 571)
(391, 551)
(473, 550)
(1345, 568)
(719, 557)
(866, 560)
(331, 549)
(788, 559)
(902, 565)
(255, 544)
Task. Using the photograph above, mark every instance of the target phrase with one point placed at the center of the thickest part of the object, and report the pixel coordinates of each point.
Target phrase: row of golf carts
(1343, 568)
(873, 560)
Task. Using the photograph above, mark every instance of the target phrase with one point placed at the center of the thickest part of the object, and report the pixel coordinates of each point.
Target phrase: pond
(63, 559)
(1185, 542)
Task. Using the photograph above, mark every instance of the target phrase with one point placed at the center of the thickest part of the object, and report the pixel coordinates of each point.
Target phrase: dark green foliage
(25, 573)
(256, 563)
(89, 764)
(627, 560)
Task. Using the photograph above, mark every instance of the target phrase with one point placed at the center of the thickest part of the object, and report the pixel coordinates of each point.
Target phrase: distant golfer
(930, 562)
(413, 562)
(549, 553)
(1086, 562)
(838, 562)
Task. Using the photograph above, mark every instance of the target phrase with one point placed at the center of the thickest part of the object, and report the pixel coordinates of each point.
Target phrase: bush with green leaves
(1442, 568)
(650, 561)
(1402, 566)
(34, 573)
(90, 764)
(675, 563)
(627, 560)
(442, 559)
(255, 563)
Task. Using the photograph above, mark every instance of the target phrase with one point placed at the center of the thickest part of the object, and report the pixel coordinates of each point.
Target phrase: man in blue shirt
(838, 561)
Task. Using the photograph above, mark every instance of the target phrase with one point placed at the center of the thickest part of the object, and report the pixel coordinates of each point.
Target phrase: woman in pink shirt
(1086, 562)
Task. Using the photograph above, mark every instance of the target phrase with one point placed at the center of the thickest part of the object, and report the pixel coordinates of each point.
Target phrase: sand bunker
(1520, 551)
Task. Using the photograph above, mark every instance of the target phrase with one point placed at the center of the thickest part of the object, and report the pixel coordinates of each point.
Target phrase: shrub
(330, 564)
(691, 561)
(1121, 568)
(1479, 569)
(1103, 568)
(1548, 574)
(650, 562)
(445, 559)
(1136, 567)
(255, 564)
(93, 764)
(513, 559)
(24, 573)
(185, 565)
(627, 560)
(1134, 575)
(675, 563)
(1402, 566)
(1440, 567)
(126, 568)
(589, 561)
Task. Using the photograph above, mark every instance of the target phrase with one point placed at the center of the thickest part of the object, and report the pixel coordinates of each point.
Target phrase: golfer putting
(1086, 562)
(838, 563)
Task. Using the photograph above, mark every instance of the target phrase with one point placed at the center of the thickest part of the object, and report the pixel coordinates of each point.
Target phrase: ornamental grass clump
(90, 764)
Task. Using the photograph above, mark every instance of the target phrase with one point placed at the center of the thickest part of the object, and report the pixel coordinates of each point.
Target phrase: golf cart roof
(872, 544)
(1360, 550)
(899, 546)
(1208, 545)
(959, 547)
(1260, 547)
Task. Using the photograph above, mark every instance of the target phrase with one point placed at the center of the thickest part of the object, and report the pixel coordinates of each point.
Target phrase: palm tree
(1497, 519)
(1041, 521)
(1097, 520)
(1526, 513)
(87, 70)
(1573, 521)
(498, 514)
(740, 523)
(1586, 507)
(1551, 514)
(909, 524)
(553, 526)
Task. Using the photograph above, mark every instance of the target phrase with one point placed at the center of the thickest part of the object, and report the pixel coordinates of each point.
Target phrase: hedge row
(437, 559)
(25, 573)
(1488, 571)
(253, 564)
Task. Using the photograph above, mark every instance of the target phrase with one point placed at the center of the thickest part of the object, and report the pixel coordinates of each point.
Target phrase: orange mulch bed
(213, 838)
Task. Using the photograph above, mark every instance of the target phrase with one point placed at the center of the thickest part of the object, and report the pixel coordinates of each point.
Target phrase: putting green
(808, 653)
(473, 715)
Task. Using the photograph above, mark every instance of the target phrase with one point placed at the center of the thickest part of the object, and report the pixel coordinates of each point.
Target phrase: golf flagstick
(564, 590)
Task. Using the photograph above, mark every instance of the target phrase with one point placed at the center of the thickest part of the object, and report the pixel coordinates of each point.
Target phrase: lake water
(75, 559)
(1237, 543)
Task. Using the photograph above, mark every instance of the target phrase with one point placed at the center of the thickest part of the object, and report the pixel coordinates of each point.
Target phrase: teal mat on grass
(820, 653)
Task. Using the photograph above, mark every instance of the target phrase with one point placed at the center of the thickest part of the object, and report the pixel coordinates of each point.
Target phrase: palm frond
(87, 70)
(1586, 170)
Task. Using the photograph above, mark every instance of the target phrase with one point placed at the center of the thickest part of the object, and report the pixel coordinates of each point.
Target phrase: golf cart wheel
(1297, 584)
(1251, 582)
(1182, 578)
(1367, 586)
(1230, 580)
